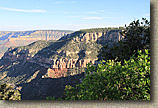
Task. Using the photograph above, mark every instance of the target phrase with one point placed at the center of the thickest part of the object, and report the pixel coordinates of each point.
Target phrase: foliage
(136, 37)
(113, 81)
(8, 92)
(92, 30)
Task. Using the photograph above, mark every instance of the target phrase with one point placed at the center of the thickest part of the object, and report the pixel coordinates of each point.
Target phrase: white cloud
(99, 18)
(23, 10)
(61, 2)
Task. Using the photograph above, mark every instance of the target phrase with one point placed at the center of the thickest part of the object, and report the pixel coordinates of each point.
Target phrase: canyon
(45, 65)
(52, 64)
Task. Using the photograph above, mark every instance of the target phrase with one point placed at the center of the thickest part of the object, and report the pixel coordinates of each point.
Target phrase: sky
(22, 15)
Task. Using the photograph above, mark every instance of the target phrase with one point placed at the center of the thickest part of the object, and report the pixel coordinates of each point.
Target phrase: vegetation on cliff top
(92, 30)
(137, 37)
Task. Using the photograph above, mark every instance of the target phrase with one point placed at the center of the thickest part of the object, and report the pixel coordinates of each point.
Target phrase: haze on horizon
(22, 15)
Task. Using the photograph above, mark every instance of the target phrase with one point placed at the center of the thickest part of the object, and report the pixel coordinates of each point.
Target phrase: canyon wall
(59, 67)
(112, 35)
(55, 67)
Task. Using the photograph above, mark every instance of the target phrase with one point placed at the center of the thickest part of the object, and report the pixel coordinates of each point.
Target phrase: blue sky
(70, 14)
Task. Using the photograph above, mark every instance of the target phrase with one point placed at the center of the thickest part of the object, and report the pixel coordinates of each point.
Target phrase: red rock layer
(57, 73)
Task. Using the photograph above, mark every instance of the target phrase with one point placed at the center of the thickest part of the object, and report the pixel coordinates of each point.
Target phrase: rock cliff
(112, 35)
(66, 56)
(43, 62)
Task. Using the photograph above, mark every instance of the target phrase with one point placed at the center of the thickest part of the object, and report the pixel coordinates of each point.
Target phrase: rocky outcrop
(55, 63)
(17, 55)
(71, 63)
(112, 35)
(56, 67)
(57, 73)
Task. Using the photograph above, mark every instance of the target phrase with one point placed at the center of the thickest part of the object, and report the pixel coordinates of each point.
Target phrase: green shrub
(8, 92)
(113, 81)
(136, 37)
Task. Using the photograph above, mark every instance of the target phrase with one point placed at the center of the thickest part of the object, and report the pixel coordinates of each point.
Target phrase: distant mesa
(22, 38)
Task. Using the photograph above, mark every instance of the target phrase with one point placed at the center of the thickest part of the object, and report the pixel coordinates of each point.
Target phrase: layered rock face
(59, 67)
(22, 38)
(112, 35)
(56, 67)
(71, 63)
(34, 35)
(57, 73)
